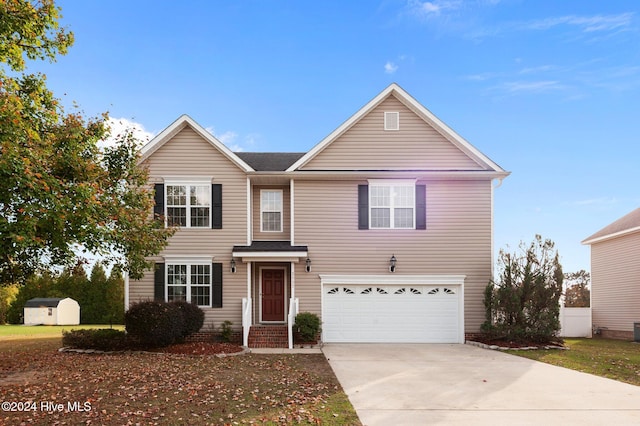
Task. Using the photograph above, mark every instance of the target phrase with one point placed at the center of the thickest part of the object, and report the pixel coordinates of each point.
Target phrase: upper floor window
(271, 210)
(392, 204)
(189, 205)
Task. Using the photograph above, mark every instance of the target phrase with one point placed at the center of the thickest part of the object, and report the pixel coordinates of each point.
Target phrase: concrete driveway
(420, 384)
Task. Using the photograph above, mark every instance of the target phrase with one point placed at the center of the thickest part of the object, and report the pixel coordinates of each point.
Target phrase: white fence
(575, 322)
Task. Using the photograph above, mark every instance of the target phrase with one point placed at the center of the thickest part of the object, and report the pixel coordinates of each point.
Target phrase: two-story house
(384, 229)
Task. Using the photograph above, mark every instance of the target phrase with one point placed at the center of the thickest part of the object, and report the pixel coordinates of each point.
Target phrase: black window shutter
(421, 207)
(158, 209)
(158, 282)
(216, 206)
(363, 206)
(216, 285)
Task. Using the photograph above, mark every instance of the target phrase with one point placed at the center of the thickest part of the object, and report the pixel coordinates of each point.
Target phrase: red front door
(272, 295)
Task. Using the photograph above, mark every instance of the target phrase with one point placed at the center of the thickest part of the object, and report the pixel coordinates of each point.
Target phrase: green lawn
(614, 359)
(30, 331)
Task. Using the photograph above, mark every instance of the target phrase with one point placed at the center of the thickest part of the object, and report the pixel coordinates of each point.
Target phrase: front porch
(270, 306)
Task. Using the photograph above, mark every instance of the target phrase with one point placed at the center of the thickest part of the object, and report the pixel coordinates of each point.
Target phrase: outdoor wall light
(233, 265)
(392, 263)
(307, 265)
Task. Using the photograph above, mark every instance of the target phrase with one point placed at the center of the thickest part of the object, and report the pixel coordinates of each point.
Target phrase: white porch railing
(293, 311)
(246, 320)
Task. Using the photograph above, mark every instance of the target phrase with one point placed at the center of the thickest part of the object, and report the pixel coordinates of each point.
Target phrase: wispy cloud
(231, 139)
(431, 8)
(519, 87)
(584, 23)
(595, 201)
(390, 67)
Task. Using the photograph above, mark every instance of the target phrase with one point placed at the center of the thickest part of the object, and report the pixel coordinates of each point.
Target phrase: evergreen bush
(308, 326)
(103, 339)
(524, 303)
(155, 324)
(193, 317)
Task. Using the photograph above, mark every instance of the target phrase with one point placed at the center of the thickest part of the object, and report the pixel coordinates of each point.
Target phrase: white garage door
(392, 313)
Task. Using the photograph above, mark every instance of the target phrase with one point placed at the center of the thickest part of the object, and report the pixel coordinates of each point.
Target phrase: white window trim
(281, 210)
(188, 182)
(388, 121)
(189, 263)
(392, 183)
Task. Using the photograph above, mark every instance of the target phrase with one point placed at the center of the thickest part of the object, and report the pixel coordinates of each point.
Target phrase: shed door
(397, 314)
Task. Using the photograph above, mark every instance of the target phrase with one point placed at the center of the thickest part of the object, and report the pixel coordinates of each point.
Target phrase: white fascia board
(399, 174)
(393, 279)
(183, 259)
(277, 256)
(181, 123)
(614, 235)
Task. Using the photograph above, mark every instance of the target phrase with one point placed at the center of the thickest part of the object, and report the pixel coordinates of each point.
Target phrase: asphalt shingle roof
(48, 302)
(269, 246)
(625, 223)
(270, 161)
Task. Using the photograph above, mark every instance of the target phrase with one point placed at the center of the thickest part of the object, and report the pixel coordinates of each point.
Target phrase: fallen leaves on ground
(164, 388)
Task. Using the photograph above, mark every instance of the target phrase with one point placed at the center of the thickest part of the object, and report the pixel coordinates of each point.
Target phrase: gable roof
(270, 161)
(175, 127)
(417, 108)
(627, 224)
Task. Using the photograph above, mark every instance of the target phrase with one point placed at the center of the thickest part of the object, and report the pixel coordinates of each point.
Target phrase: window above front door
(271, 210)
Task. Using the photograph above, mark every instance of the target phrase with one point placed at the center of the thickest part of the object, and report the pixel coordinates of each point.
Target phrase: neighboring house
(51, 311)
(384, 229)
(615, 277)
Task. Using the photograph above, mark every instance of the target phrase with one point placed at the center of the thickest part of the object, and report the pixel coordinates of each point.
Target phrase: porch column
(293, 280)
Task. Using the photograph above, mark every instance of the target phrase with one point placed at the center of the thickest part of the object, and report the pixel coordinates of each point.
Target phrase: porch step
(268, 336)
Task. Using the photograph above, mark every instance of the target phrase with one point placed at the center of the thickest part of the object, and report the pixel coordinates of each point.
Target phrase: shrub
(193, 317)
(308, 325)
(523, 304)
(226, 331)
(104, 339)
(154, 324)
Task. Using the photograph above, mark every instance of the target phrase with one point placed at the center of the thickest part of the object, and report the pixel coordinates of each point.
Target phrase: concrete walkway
(420, 384)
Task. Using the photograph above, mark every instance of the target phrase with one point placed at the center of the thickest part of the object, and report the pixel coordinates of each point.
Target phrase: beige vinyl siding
(615, 283)
(367, 146)
(189, 155)
(457, 239)
(286, 214)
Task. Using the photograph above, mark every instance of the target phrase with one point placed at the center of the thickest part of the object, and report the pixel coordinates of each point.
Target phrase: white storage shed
(51, 311)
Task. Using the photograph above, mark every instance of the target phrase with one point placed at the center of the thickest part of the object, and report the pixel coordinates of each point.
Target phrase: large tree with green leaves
(524, 302)
(58, 190)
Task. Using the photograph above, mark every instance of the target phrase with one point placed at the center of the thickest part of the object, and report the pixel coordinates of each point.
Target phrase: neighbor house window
(392, 204)
(189, 205)
(271, 210)
(189, 283)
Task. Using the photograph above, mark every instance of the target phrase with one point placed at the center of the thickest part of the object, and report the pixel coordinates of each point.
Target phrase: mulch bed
(515, 344)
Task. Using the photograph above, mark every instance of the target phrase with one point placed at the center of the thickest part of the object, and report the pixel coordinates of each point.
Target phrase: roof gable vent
(391, 120)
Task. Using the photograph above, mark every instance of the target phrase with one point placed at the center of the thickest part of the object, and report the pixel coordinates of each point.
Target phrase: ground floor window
(190, 283)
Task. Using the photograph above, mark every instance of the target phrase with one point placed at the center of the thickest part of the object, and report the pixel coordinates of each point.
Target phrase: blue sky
(547, 89)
